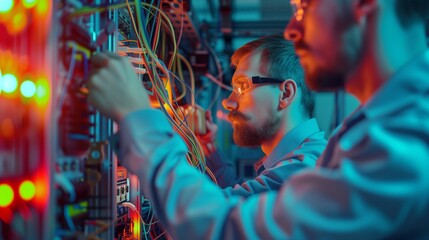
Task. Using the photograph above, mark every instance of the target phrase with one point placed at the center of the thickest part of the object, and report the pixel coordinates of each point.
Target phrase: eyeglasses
(298, 8)
(244, 84)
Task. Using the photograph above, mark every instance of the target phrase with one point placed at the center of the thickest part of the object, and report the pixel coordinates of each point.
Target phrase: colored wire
(69, 76)
(160, 235)
(103, 227)
(212, 176)
(192, 77)
(182, 16)
(178, 68)
(153, 64)
(129, 40)
(153, 22)
(69, 219)
(213, 79)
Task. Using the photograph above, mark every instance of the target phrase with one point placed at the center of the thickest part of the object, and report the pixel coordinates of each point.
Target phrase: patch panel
(123, 191)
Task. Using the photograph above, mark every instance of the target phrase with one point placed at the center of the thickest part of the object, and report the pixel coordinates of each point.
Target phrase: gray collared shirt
(297, 150)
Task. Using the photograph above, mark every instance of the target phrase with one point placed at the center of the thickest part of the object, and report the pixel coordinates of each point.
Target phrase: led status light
(1, 82)
(19, 22)
(29, 3)
(136, 227)
(42, 92)
(28, 88)
(6, 6)
(27, 190)
(9, 83)
(6, 193)
(42, 7)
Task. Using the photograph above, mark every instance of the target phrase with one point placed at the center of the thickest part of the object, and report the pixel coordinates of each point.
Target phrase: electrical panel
(25, 125)
(85, 168)
(59, 176)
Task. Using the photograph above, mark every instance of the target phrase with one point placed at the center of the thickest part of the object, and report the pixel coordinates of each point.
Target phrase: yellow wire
(178, 69)
(129, 40)
(195, 147)
(212, 176)
(89, 10)
(192, 77)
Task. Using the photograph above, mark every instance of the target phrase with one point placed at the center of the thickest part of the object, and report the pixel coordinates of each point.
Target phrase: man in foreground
(373, 182)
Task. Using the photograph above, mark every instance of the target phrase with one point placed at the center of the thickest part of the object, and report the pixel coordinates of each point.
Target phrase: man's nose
(230, 103)
(293, 31)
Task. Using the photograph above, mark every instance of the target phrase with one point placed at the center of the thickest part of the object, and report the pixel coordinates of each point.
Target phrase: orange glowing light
(6, 6)
(27, 190)
(299, 14)
(6, 193)
(136, 227)
(41, 182)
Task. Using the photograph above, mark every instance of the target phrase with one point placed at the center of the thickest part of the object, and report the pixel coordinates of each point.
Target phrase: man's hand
(114, 88)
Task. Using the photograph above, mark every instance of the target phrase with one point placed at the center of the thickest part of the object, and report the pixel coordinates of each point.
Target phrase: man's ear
(363, 8)
(288, 90)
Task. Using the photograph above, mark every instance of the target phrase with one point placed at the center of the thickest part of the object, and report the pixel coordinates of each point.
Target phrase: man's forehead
(248, 66)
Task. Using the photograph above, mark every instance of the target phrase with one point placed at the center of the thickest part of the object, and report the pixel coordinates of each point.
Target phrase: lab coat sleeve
(377, 188)
(269, 179)
(223, 170)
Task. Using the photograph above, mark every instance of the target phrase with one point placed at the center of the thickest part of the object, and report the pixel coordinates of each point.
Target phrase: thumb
(100, 60)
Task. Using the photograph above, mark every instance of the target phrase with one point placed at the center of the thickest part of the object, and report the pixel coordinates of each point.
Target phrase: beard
(246, 135)
(322, 80)
(322, 77)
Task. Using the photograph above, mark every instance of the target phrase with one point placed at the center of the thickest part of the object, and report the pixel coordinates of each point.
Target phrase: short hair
(279, 60)
(409, 10)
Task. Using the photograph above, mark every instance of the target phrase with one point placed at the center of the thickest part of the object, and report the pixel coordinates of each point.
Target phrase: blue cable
(69, 220)
(141, 21)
